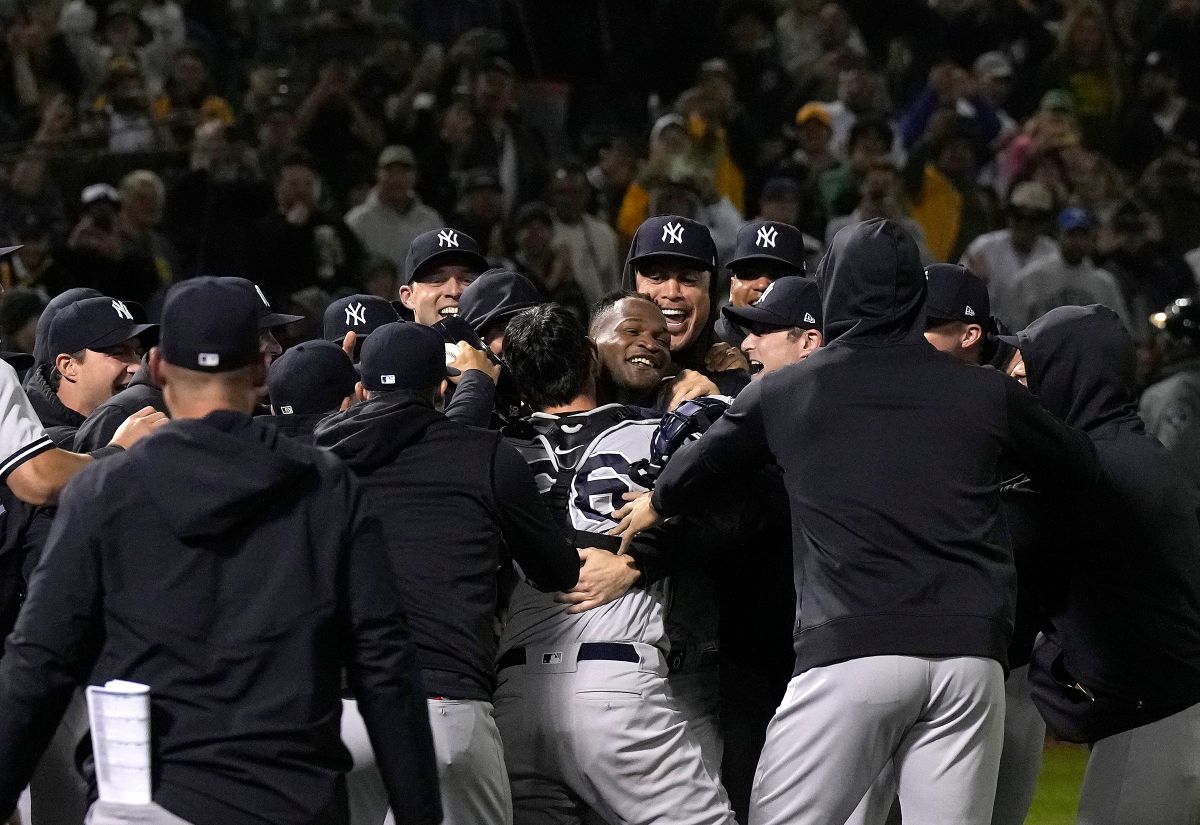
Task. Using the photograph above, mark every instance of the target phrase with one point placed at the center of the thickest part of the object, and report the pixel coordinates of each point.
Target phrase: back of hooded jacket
(235, 573)
(450, 498)
(889, 451)
(1122, 605)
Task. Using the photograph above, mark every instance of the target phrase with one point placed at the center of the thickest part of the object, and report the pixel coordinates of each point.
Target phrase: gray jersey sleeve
(21, 433)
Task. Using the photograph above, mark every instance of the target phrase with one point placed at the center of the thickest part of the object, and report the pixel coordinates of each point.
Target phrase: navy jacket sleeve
(54, 645)
(99, 428)
(472, 401)
(1054, 455)
(734, 447)
(384, 674)
(538, 545)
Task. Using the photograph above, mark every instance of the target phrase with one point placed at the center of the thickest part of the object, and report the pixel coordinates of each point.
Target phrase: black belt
(588, 651)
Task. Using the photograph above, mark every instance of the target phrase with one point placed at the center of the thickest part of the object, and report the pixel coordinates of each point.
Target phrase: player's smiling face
(681, 292)
(633, 343)
(435, 295)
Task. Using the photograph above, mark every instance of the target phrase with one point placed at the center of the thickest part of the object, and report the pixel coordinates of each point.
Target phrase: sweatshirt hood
(371, 434)
(873, 285)
(240, 465)
(1080, 364)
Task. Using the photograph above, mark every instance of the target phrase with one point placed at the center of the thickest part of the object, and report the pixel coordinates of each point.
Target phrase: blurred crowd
(1053, 146)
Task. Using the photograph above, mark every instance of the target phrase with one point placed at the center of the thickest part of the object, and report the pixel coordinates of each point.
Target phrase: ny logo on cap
(356, 314)
(765, 293)
(262, 297)
(808, 319)
(447, 237)
(970, 313)
(766, 236)
(122, 310)
(672, 233)
(208, 359)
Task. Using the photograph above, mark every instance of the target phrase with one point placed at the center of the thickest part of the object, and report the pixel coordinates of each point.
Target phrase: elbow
(32, 487)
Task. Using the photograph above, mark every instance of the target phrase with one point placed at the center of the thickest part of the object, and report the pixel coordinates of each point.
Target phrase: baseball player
(238, 607)
(449, 497)
(1118, 664)
(142, 391)
(674, 261)
(588, 721)
(440, 264)
(958, 323)
(905, 602)
(307, 383)
(763, 252)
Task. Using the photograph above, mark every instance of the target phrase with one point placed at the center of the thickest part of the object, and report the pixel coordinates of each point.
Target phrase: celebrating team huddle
(834, 547)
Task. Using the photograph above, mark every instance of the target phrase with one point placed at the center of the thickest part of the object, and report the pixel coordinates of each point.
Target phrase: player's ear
(971, 335)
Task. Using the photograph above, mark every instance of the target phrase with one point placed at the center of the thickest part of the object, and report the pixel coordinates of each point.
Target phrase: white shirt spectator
(594, 260)
(995, 258)
(386, 232)
(1052, 282)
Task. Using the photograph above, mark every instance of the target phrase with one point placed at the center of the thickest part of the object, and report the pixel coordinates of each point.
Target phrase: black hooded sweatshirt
(447, 495)
(1122, 640)
(889, 451)
(102, 424)
(235, 572)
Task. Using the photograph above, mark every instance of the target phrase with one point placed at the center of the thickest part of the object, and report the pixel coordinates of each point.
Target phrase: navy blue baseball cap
(359, 314)
(790, 301)
(770, 245)
(401, 356)
(1076, 218)
(41, 338)
(955, 293)
(267, 317)
(310, 378)
(95, 323)
(495, 296)
(441, 246)
(210, 325)
(673, 237)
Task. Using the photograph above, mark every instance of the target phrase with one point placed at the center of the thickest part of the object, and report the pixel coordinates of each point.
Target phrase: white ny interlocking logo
(122, 310)
(356, 314)
(766, 236)
(672, 233)
(447, 237)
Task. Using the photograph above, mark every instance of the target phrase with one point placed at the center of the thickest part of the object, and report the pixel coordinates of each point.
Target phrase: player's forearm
(39, 480)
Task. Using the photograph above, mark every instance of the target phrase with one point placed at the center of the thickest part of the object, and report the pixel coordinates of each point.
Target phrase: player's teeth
(449, 311)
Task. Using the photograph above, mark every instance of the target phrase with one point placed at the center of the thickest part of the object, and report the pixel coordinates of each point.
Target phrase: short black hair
(549, 353)
(615, 297)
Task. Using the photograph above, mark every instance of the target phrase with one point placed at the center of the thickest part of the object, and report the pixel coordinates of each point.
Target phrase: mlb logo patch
(387, 379)
(286, 410)
(552, 658)
(208, 359)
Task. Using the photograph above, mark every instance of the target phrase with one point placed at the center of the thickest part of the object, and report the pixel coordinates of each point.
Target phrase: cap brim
(17, 360)
(1012, 340)
(123, 334)
(757, 316)
(277, 319)
(464, 254)
(673, 256)
(764, 258)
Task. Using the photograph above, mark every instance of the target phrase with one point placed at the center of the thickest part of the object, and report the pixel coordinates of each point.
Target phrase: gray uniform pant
(1149, 775)
(604, 737)
(1020, 764)
(112, 813)
(470, 761)
(940, 722)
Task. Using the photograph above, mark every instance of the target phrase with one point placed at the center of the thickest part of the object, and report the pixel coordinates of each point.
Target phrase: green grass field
(1057, 799)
